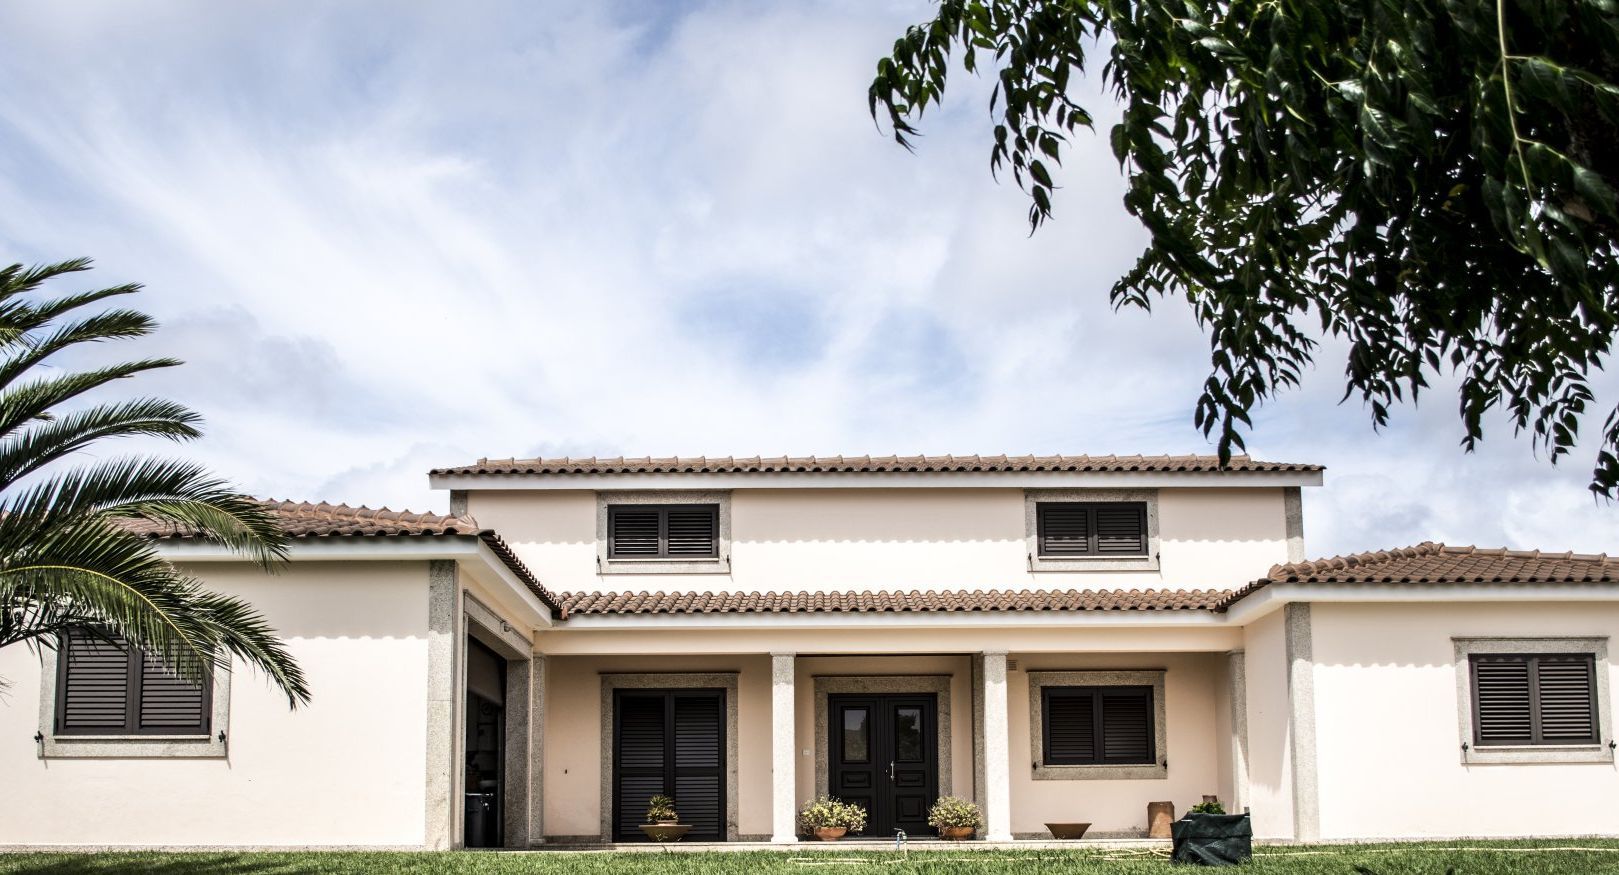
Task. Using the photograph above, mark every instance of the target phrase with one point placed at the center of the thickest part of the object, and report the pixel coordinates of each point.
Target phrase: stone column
(997, 790)
(1301, 722)
(443, 668)
(783, 750)
(1237, 672)
(536, 762)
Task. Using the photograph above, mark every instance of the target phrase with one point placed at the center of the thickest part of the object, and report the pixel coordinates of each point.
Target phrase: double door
(884, 757)
(669, 743)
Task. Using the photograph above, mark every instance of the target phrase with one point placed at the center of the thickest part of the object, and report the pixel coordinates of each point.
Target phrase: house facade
(1060, 639)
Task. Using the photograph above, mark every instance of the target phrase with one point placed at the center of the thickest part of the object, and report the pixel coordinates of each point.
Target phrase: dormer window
(672, 531)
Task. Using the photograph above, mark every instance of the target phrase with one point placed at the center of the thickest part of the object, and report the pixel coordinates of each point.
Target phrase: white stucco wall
(1270, 760)
(347, 770)
(821, 540)
(1390, 762)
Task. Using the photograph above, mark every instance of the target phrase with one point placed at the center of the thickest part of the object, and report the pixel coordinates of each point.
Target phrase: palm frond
(22, 404)
(36, 446)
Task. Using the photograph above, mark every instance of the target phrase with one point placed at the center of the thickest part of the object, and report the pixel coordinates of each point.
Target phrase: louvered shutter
(699, 765)
(95, 691)
(1501, 700)
(169, 703)
(1127, 732)
(1065, 530)
(639, 765)
(1567, 699)
(1070, 726)
(693, 531)
(633, 531)
(1121, 529)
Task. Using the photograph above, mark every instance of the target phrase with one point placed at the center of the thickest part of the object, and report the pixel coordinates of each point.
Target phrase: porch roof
(1435, 563)
(303, 520)
(953, 601)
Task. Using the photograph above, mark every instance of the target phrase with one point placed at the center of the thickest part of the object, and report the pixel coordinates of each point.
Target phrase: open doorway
(485, 747)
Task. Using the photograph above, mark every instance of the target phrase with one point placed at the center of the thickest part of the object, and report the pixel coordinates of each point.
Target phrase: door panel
(672, 743)
(884, 758)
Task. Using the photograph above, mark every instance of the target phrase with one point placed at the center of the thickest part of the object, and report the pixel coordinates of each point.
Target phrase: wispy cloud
(387, 238)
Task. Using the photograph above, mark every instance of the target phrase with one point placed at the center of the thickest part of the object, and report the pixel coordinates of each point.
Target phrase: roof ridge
(948, 462)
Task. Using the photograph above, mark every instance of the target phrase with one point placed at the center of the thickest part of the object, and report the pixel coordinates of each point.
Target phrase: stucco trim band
(1033, 498)
(214, 745)
(726, 681)
(719, 565)
(826, 685)
(1154, 678)
(1473, 755)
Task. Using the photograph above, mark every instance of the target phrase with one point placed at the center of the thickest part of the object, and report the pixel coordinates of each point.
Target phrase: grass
(1463, 858)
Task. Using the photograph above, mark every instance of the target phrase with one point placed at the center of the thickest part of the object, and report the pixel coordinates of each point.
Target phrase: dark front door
(884, 756)
(669, 743)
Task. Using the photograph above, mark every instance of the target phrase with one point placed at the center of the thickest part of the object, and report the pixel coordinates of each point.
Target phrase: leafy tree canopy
(1431, 180)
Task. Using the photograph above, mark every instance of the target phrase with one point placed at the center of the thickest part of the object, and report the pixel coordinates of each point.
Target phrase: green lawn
(1464, 858)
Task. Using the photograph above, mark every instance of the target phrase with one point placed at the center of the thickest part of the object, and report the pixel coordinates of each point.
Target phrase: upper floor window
(1092, 529)
(108, 688)
(1534, 699)
(666, 531)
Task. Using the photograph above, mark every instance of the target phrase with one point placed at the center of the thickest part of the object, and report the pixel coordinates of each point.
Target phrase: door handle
(891, 771)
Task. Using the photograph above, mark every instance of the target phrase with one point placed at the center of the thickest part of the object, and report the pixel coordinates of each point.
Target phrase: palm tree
(72, 553)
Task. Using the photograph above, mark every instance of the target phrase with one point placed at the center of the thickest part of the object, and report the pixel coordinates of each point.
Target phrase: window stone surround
(1032, 498)
(1473, 755)
(76, 746)
(1038, 680)
(718, 565)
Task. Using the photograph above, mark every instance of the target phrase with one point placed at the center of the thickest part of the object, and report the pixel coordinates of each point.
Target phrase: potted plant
(662, 823)
(1209, 836)
(955, 818)
(829, 818)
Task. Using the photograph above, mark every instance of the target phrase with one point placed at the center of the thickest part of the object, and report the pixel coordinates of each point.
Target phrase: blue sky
(390, 236)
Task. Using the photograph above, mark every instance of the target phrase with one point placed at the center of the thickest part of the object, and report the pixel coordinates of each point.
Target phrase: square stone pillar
(997, 791)
(783, 750)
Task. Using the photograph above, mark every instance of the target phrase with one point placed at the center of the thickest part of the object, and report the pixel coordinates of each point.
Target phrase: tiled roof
(958, 601)
(303, 520)
(1429, 563)
(868, 465)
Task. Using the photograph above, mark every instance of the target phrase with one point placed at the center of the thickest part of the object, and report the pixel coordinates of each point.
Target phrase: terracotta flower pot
(665, 832)
(955, 833)
(830, 833)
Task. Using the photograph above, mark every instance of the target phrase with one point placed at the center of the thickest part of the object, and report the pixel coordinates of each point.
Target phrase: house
(1057, 638)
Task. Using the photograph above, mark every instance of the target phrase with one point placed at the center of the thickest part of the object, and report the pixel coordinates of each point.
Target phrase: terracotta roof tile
(956, 601)
(1432, 563)
(867, 465)
(306, 520)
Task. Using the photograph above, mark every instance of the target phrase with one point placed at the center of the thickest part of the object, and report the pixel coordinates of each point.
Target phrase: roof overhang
(1270, 598)
(878, 480)
(889, 619)
(468, 551)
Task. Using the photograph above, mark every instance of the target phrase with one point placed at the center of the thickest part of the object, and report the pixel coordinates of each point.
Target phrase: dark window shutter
(1127, 725)
(1065, 529)
(1070, 729)
(171, 703)
(94, 685)
(1501, 700)
(670, 742)
(1098, 726)
(1567, 699)
(1121, 530)
(633, 531)
(699, 774)
(693, 531)
(1528, 699)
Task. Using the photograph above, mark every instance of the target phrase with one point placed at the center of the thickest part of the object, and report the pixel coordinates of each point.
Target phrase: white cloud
(388, 238)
